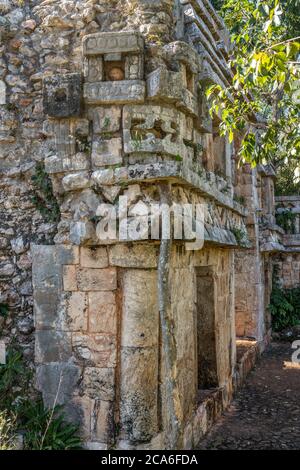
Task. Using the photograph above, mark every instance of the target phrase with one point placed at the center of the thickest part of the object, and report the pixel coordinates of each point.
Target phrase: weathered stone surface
(94, 69)
(102, 312)
(93, 258)
(2, 92)
(52, 346)
(106, 120)
(140, 310)
(97, 279)
(76, 181)
(97, 349)
(73, 312)
(104, 43)
(120, 92)
(70, 278)
(138, 413)
(57, 380)
(107, 152)
(137, 256)
(103, 177)
(102, 420)
(82, 232)
(153, 129)
(99, 383)
(164, 85)
(62, 95)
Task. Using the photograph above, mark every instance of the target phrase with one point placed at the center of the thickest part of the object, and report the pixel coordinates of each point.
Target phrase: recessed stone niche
(62, 95)
(114, 68)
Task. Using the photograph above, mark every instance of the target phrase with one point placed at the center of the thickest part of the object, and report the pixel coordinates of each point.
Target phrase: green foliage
(7, 431)
(240, 235)
(4, 309)
(43, 429)
(43, 198)
(14, 380)
(260, 105)
(286, 220)
(47, 429)
(288, 178)
(239, 199)
(285, 307)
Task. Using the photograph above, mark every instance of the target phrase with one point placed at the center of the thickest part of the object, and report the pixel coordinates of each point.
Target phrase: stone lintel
(119, 92)
(108, 43)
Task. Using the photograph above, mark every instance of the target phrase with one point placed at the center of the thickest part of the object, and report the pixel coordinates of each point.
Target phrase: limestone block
(76, 181)
(46, 274)
(57, 379)
(67, 254)
(107, 152)
(97, 349)
(99, 383)
(110, 193)
(159, 130)
(97, 279)
(134, 67)
(164, 85)
(140, 320)
(139, 388)
(136, 256)
(62, 95)
(45, 308)
(82, 232)
(52, 346)
(93, 69)
(102, 420)
(106, 120)
(102, 312)
(2, 92)
(73, 313)
(103, 177)
(93, 257)
(107, 43)
(70, 278)
(118, 92)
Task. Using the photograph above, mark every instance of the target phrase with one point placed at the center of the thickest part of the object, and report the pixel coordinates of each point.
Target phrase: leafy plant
(260, 106)
(286, 220)
(47, 429)
(240, 235)
(14, 379)
(239, 199)
(42, 428)
(7, 431)
(43, 198)
(285, 307)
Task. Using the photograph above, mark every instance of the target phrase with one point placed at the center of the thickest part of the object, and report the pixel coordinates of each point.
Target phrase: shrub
(42, 428)
(7, 431)
(285, 307)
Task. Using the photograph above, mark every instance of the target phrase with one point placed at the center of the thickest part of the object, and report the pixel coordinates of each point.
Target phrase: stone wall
(102, 99)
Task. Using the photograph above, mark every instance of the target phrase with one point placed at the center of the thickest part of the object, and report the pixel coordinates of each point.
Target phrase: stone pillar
(139, 356)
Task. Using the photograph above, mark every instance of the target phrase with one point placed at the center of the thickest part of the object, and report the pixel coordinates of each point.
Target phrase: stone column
(139, 356)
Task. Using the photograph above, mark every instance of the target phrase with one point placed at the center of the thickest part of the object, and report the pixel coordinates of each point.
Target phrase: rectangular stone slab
(107, 43)
(126, 91)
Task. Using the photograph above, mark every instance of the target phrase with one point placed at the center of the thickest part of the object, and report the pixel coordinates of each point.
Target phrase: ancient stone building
(101, 99)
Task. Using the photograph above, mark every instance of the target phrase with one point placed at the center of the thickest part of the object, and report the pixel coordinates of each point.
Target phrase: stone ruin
(109, 96)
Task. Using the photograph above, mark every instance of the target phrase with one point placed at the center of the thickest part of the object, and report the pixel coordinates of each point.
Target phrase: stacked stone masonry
(109, 96)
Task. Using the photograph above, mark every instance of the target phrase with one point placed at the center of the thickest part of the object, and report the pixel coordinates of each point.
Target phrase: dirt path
(266, 412)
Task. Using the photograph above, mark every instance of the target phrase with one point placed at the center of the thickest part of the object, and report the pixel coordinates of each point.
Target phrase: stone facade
(109, 97)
